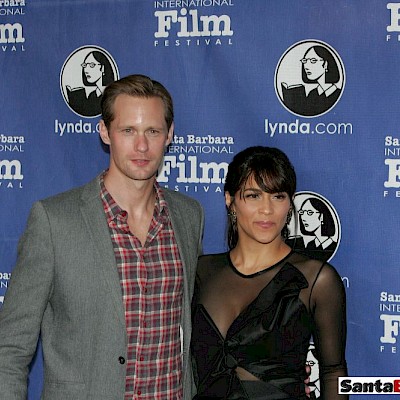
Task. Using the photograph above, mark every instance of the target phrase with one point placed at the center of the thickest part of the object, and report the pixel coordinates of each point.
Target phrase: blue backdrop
(233, 67)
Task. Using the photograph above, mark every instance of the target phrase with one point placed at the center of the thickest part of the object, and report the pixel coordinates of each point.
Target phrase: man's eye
(154, 132)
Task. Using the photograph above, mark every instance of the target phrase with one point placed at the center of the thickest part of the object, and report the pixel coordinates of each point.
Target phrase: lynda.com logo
(312, 362)
(309, 78)
(314, 228)
(85, 74)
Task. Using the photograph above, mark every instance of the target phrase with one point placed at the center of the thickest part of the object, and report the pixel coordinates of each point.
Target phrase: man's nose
(141, 143)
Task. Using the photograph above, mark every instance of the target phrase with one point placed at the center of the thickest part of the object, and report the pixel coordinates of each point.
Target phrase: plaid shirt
(151, 279)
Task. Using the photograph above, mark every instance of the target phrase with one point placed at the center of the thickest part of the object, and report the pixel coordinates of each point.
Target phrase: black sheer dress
(251, 332)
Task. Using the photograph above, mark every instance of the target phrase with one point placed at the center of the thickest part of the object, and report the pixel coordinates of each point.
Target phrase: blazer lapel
(94, 217)
(179, 220)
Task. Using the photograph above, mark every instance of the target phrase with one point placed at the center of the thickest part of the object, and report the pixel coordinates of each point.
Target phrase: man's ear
(104, 132)
(170, 135)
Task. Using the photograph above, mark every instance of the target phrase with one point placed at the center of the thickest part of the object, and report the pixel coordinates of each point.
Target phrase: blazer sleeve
(24, 304)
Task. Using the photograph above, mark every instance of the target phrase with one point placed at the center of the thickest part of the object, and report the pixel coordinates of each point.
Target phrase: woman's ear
(228, 200)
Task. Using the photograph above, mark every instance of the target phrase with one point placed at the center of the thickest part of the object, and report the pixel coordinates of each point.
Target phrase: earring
(232, 215)
(289, 217)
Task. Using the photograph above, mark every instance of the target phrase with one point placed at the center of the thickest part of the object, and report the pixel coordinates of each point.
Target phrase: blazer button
(121, 360)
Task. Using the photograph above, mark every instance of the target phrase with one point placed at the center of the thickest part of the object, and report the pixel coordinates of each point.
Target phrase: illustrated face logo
(312, 362)
(315, 227)
(85, 74)
(309, 78)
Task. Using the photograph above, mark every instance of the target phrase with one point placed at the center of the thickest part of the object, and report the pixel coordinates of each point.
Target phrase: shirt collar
(114, 211)
(328, 91)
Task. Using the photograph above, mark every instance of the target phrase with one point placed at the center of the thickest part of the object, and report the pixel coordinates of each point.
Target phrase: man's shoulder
(88, 190)
(173, 197)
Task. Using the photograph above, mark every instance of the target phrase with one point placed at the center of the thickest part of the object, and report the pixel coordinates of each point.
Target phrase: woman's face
(261, 216)
(314, 66)
(93, 69)
(310, 217)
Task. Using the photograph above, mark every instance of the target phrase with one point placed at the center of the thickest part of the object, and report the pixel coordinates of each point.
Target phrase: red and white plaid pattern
(152, 286)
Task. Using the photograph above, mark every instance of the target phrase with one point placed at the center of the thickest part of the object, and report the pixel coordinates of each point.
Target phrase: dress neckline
(263, 271)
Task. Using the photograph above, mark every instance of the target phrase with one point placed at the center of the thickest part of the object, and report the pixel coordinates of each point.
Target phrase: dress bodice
(258, 323)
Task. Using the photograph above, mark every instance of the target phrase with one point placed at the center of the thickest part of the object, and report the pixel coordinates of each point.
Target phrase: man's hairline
(139, 97)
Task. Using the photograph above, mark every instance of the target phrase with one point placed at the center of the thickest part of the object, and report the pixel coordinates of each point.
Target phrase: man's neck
(137, 198)
(133, 196)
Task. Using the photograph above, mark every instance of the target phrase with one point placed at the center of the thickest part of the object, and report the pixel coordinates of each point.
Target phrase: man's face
(137, 137)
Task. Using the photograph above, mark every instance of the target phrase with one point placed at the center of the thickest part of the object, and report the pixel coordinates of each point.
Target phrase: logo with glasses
(315, 227)
(312, 362)
(85, 74)
(309, 78)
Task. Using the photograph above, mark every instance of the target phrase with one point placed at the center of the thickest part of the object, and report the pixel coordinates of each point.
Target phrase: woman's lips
(265, 224)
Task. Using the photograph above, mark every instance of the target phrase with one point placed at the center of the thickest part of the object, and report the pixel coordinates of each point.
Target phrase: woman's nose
(265, 207)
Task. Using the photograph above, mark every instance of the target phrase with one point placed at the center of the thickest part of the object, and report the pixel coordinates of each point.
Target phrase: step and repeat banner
(318, 79)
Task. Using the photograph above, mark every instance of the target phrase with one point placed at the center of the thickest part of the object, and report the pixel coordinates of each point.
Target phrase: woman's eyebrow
(252, 189)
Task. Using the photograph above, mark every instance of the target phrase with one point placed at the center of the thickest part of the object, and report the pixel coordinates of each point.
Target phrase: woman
(256, 307)
(318, 67)
(97, 73)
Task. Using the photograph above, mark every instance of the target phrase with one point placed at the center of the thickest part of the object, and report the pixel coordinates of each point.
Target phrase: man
(105, 272)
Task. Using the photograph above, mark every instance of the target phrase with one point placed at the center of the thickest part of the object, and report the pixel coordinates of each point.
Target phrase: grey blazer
(66, 287)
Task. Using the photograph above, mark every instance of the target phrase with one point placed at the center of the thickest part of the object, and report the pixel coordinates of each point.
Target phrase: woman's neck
(251, 259)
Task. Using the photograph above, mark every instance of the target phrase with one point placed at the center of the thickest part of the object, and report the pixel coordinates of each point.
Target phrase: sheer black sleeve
(328, 306)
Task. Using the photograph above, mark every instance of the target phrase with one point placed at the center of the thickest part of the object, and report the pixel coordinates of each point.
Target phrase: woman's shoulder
(210, 262)
(313, 268)
(302, 260)
(207, 259)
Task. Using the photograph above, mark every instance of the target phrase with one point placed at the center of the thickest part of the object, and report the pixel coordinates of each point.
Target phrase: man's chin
(143, 177)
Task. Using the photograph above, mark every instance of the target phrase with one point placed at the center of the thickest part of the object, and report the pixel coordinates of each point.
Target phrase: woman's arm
(328, 306)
